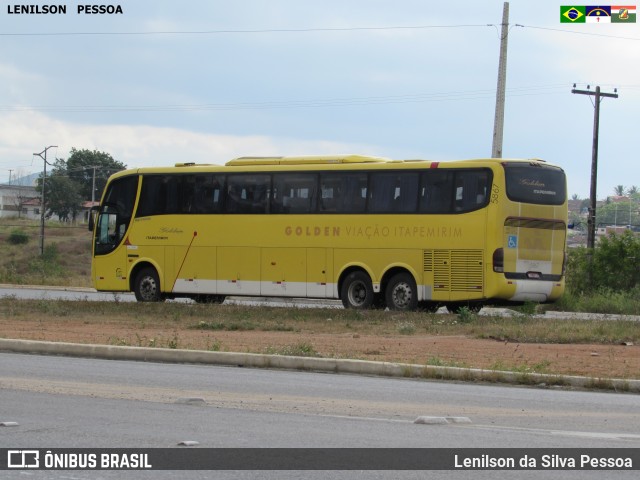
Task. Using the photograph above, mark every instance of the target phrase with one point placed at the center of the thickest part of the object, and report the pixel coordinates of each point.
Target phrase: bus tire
(147, 286)
(401, 292)
(357, 291)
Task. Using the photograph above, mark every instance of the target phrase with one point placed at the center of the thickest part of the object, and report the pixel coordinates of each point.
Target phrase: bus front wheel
(147, 286)
(402, 293)
(357, 291)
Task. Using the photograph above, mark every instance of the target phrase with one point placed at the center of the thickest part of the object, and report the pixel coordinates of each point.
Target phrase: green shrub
(466, 315)
(48, 264)
(18, 237)
(601, 301)
(614, 265)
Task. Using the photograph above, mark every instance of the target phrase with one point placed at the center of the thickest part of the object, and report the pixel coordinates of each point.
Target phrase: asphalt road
(86, 403)
(31, 292)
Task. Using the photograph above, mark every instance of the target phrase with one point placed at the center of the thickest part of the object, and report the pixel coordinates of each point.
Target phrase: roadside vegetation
(66, 260)
(605, 281)
(210, 319)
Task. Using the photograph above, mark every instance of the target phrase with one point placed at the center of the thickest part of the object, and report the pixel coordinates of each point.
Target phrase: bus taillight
(498, 260)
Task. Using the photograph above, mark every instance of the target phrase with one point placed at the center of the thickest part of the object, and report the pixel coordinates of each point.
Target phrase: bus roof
(306, 162)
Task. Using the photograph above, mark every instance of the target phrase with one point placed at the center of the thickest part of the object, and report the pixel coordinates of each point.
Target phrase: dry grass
(67, 259)
(416, 338)
(238, 318)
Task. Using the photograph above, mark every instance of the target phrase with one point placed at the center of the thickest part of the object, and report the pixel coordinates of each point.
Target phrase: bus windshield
(535, 183)
(115, 214)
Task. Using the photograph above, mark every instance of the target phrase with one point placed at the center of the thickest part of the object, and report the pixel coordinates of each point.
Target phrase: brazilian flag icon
(570, 14)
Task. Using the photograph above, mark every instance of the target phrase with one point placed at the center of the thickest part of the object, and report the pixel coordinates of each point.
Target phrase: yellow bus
(369, 231)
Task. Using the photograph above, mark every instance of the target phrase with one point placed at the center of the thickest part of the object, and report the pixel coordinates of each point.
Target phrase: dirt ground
(597, 361)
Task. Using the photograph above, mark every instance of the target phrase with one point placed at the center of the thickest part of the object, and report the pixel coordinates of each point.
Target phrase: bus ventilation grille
(455, 270)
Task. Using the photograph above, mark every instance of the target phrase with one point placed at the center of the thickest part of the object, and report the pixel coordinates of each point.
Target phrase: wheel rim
(357, 293)
(402, 295)
(148, 288)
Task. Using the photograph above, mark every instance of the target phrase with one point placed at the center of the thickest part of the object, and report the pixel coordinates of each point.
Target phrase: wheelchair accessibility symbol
(512, 241)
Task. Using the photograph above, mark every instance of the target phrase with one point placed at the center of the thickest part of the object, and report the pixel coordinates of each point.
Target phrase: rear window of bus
(534, 183)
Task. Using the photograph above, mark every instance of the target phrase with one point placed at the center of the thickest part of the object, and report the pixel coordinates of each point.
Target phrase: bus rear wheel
(401, 293)
(147, 286)
(357, 291)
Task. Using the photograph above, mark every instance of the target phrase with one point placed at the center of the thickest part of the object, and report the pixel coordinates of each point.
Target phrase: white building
(19, 201)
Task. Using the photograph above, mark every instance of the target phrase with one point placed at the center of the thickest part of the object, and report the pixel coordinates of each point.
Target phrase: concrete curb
(332, 365)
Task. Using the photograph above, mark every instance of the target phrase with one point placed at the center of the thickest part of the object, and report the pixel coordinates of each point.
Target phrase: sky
(207, 81)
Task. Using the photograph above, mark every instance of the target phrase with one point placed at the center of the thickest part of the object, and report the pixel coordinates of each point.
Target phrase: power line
(283, 104)
(577, 32)
(300, 30)
(246, 31)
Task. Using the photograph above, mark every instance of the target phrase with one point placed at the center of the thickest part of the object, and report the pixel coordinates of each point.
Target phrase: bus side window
(170, 188)
(247, 193)
(158, 196)
(355, 198)
(150, 196)
(185, 193)
(329, 193)
(234, 198)
(294, 193)
(343, 192)
(459, 191)
(437, 192)
(471, 189)
(394, 192)
(208, 193)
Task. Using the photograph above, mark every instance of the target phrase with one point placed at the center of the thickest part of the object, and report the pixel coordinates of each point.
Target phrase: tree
(619, 190)
(71, 181)
(80, 168)
(62, 197)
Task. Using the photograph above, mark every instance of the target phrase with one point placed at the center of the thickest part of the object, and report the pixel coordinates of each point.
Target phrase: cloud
(22, 133)
(587, 57)
(18, 84)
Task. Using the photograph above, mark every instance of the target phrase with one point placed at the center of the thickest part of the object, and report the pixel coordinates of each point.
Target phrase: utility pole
(498, 123)
(591, 219)
(42, 208)
(10, 172)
